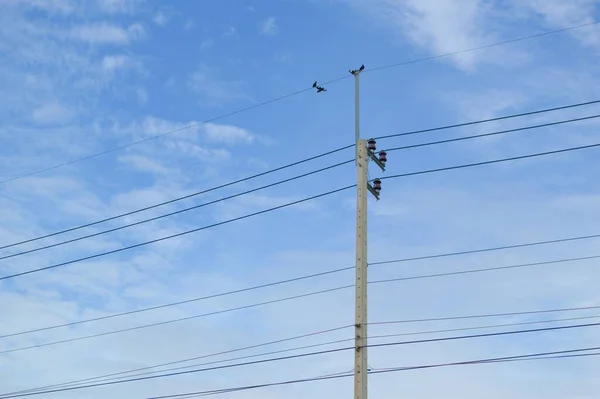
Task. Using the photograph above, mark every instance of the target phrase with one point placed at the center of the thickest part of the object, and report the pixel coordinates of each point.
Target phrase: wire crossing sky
(175, 195)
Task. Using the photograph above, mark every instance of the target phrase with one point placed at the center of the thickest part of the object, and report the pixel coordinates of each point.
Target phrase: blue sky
(79, 78)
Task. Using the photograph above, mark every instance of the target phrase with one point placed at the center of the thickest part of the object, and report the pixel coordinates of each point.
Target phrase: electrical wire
(295, 164)
(313, 293)
(177, 199)
(486, 269)
(520, 129)
(178, 211)
(329, 351)
(113, 376)
(103, 378)
(175, 235)
(147, 139)
(470, 165)
(483, 316)
(528, 357)
(286, 181)
(564, 150)
(131, 312)
(309, 276)
(162, 323)
(495, 119)
(515, 40)
(223, 116)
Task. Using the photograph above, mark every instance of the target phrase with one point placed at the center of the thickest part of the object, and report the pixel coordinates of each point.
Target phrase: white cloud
(216, 91)
(230, 31)
(207, 43)
(110, 63)
(454, 211)
(189, 24)
(142, 95)
(447, 26)
(439, 26)
(160, 19)
(118, 6)
(53, 113)
(163, 16)
(227, 134)
(145, 164)
(269, 26)
(52, 6)
(105, 33)
(564, 14)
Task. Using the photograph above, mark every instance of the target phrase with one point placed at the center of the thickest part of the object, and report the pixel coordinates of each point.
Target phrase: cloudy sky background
(80, 78)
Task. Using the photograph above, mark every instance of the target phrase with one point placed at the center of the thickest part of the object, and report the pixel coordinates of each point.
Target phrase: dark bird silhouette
(355, 71)
(319, 88)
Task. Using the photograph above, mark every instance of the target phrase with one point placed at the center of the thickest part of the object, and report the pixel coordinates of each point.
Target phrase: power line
(493, 133)
(476, 251)
(529, 357)
(293, 203)
(519, 39)
(177, 199)
(300, 278)
(487, 269)
(539, 154)
(175, 235)
(85, 158)
(329, 351)
(178, 211)
(129, 372)
(477, 122)
(311, 159)
(131, 312)
(223, 116)
(284, 181)
(488, 315)
(389, 280)
(162, 323)
(103, 378)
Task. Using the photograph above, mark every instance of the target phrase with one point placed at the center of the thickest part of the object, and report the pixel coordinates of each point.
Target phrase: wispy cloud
(118, 6)
(214, 90)
(230, 31)
(52, 113)
(444, 26)
(227, 134)
(105, 33)
(269, 27)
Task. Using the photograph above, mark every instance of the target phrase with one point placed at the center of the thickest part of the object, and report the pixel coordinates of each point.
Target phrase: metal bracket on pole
(372, 191)
(376, 160)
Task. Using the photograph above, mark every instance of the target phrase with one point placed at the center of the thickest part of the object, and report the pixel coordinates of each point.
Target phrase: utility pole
(365, 150)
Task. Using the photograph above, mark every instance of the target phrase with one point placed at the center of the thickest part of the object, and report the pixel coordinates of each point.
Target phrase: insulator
(377, 185)
(382, 157)
(371, 145)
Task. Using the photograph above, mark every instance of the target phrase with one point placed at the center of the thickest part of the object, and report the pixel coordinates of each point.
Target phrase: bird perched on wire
(355, 71)
(319, 88)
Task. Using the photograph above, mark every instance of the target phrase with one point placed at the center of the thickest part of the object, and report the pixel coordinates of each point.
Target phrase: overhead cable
(284, 299)
(113, 376)
(572, 353)
(180, 211)
(304, 277)
(276, 99)
(310, 354)
(564, 150)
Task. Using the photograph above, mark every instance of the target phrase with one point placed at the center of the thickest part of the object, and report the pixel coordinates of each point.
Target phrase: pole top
(355, 72)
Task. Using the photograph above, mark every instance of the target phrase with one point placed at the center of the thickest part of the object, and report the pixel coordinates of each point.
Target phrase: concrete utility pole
(364, 150)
